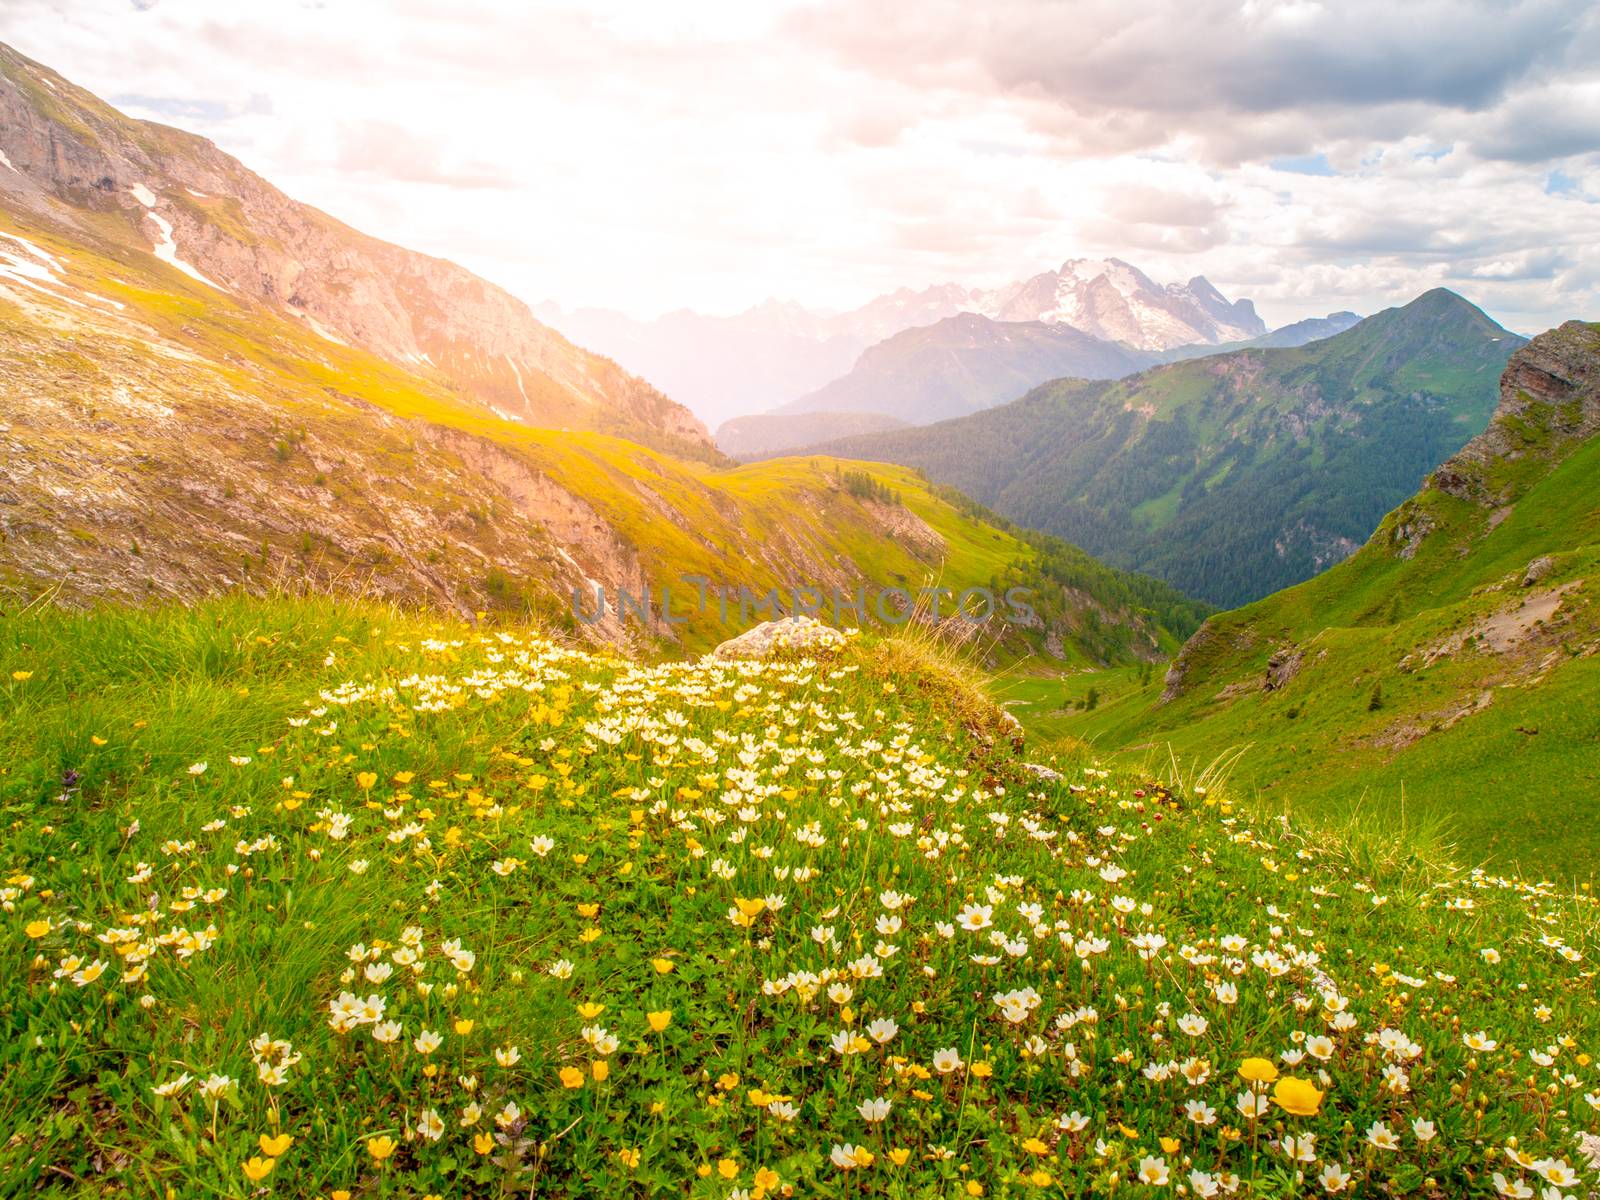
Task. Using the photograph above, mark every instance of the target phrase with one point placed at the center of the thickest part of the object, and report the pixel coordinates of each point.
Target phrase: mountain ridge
(1156, 470)
(1449, 665)
(77, 162)
(776, 352)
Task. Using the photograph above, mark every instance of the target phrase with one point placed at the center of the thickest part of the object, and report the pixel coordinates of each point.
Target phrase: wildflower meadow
(329, 901)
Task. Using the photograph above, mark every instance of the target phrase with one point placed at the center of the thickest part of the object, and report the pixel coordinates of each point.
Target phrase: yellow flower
(663, 966)
(599, 1069)
(727, 1168)
(366, 779)
(767, 1180)
(589, 1010)
(588, 910)
(571, 1077)
(340, 1194)
(257, 1169)
(727, 1081)
(22, 676)
(982, 1070)
(404, 777)
(1170, 1145)
(1257, 1070)
(36, 929)
(381, 1147)
(898, 1156)
(659, 1020)
(974, 1188)
(628, 1158)
(483, 1142)
(1297, 1097)
(464, 1026)
(273, 1147)
(1034, 1146)
(750, 908)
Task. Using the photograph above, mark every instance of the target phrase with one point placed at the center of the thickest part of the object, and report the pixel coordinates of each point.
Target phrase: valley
(1056, 734)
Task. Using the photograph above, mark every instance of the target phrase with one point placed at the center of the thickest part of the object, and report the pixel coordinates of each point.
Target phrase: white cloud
(651, 156)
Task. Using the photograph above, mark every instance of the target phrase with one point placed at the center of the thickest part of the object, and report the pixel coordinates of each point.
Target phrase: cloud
(1312, 156)
(400, 155)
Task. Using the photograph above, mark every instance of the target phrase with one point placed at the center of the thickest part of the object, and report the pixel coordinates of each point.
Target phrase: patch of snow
(167, 250)
(197, 195)
(143, 195)
(41, 255)
(46, 270)
(317, 327)
(6, 162)
(518, 373)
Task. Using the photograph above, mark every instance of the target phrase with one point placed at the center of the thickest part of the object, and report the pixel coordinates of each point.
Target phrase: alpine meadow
(748, 602)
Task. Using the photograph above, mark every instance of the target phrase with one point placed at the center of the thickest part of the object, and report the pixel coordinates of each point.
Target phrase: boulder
(799, 632)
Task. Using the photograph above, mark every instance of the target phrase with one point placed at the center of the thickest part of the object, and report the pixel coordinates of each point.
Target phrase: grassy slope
(1237, 474)
(656, 836)
(774, 524)
(1514, 781)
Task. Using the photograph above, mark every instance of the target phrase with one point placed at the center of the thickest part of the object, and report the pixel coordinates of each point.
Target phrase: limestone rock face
(1549, 402)
(798, 633)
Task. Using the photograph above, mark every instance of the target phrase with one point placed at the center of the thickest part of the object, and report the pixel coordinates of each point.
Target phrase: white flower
(1153, 1171)
(1333, 1178)
(974, 917)
(874, 1110)
(173, 1086)
(947, 1060)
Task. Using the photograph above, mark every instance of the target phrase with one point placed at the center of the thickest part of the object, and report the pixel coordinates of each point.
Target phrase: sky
(712, 154)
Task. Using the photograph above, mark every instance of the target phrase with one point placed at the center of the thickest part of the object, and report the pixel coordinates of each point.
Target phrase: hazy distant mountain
(775, 353)
(1235, 474)
(1300, 333)
(766, 434)
(964, 364)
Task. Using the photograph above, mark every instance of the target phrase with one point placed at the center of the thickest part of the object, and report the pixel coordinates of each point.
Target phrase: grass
(1488, 743)
(306, 898)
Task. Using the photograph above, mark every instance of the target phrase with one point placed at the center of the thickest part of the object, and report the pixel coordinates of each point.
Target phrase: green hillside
(1234, 475)
(1444, 674)
(325, 900)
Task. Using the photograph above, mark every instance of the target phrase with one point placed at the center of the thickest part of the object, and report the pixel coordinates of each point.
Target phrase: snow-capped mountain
(1116, 301)
(778, 351)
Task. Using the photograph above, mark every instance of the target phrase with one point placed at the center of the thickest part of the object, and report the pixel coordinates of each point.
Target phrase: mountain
(777, 353)
(964, 364)
(1449, 670)
(1117, 302)
(137, 188)
(767, 434)
(1313, 329)
(727, 367)
(171, 428)
(1237, 474)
